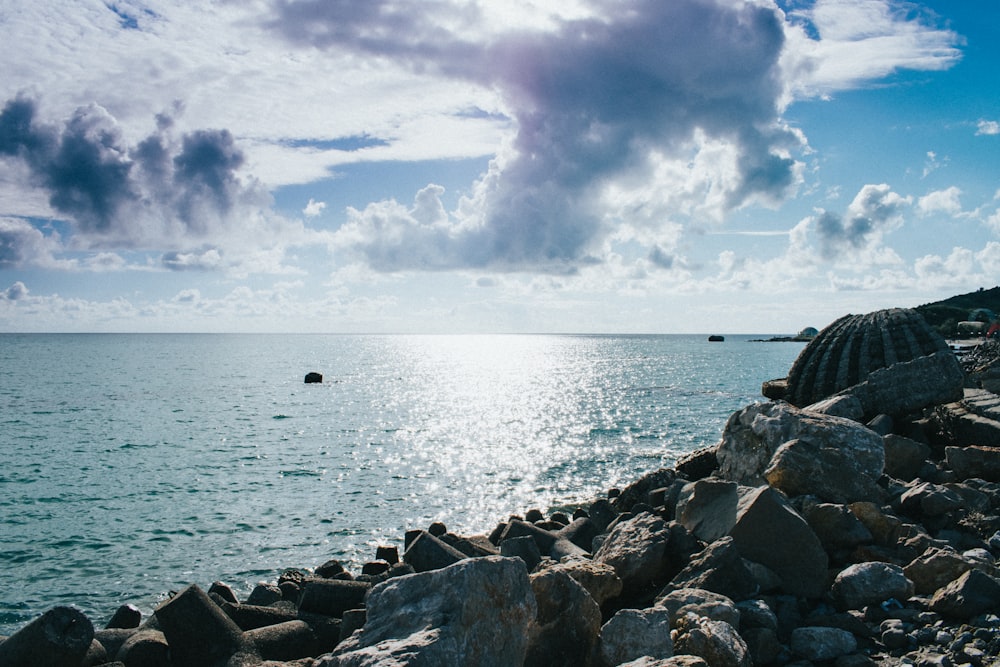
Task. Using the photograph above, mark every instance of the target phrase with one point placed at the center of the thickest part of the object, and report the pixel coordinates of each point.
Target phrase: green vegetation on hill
(945, 315)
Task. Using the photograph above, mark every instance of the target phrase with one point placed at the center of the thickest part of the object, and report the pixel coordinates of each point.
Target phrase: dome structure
(847, 351)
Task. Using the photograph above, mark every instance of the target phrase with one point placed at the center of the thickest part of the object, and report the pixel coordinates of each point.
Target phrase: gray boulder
(475, 612)
(770, 532)
(565, 629)
(903, 456)
(862, 584)
(701, 603)
(822, 643)
(837, 459)
(974, 462)
(835, 525)
(707, 508)
(636, 549)
(635, 633)
(718, 568)
(971, 594)
(935, 568)
(716, 642)
(599, 579)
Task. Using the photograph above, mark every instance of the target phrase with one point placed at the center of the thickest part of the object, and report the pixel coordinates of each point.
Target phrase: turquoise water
(133, 465)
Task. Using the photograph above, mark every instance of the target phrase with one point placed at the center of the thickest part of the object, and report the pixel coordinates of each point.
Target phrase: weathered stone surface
(762, 643)
(837, 459)
(929, 500)
(716, 642)
(636, 549)
(971, 594)
(290, 640)
(147, 648)
(821, 643)
(769, 531)
(882, 526)
(635, 633)
(834, 473)
(718, 568)
(707, 508)
(60, 637)
(198, 631)
(974, 462)
(909, 386)
(853, 348)
(565, 629)
(676, 661)
(903, 456)
(756, 614)
(699, 602)
(863, 584)
(475, 612)
(127, 616)
(427, 552)
(523, 547)
(835, 526)
(848, 407)
(935, 568)
(333, 596)
(638, 491)
(599, 579)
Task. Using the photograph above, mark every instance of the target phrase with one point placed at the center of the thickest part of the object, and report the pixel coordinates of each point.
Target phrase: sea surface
(133, 465)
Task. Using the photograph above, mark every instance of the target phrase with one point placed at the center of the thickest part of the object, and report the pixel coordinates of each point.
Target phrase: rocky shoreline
(860, 528)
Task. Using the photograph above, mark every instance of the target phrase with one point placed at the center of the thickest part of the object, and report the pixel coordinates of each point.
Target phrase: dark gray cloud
(160, 191)
(874, 211)
(15, 292)
(594, 100)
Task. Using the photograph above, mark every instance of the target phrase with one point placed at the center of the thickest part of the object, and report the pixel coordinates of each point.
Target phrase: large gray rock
(60, 637)
(475, 612)
(903, 456)
(707, 508)
(822, 643)
(716, 642)
(935, 568)
(635, 633)
(837, 459)
(565, 630)
(971, 594)
(770, 532)
(862, 584)
(700, 602)
(636, 549)
(974, 462)
(718, 568)
(835, 525)
(599, 579)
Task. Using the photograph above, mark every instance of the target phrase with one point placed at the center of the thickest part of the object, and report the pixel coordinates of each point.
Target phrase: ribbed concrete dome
(844, 353)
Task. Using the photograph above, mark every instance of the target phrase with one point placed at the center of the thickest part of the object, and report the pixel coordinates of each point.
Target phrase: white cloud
(941, 201)
(313, 208)
(987, 127)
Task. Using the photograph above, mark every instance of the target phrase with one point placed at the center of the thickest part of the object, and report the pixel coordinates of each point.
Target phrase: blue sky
(493, 166)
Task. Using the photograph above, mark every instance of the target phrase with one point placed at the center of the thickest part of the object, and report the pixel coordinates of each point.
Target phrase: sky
(493, 166)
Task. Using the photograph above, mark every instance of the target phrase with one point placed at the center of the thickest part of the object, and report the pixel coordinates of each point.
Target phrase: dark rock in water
(849, 351)
(127, 616)
(698, 464)
(198, 631)
(314, 378)
(59, 637)
(716, 338)
(333, 597)
(427, 552)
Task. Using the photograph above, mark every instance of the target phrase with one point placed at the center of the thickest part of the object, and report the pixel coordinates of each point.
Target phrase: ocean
(134, 464)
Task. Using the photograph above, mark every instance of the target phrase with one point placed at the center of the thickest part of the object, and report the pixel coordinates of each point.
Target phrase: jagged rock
(565, 629)
(883, 527)
(891, 360)
(821, 643)
(699, 602)
(523, 547)
(636, 549)
(974, 419)
(635, 633)
(720, 569)
(427, 552)
(936, 568)
(198, 631)
(129, 616)
(862, 584)
(698, 464)
(707, 508)
(834, 458)
(638, 491)
(756, 614)
(835, 526)
(848, 407)
(929, 500)
(770, 532)
(475, 612)
(971, 594)
(903, 456)
(599, 579)
(716, 642)
(974, 462)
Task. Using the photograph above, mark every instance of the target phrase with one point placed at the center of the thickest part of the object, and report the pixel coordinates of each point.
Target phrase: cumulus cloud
(15, 292)
(941, 201)
(313, 208)
(596, 99)
(21, 245)
(987, 127)
(162, 190)
(875, 211)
